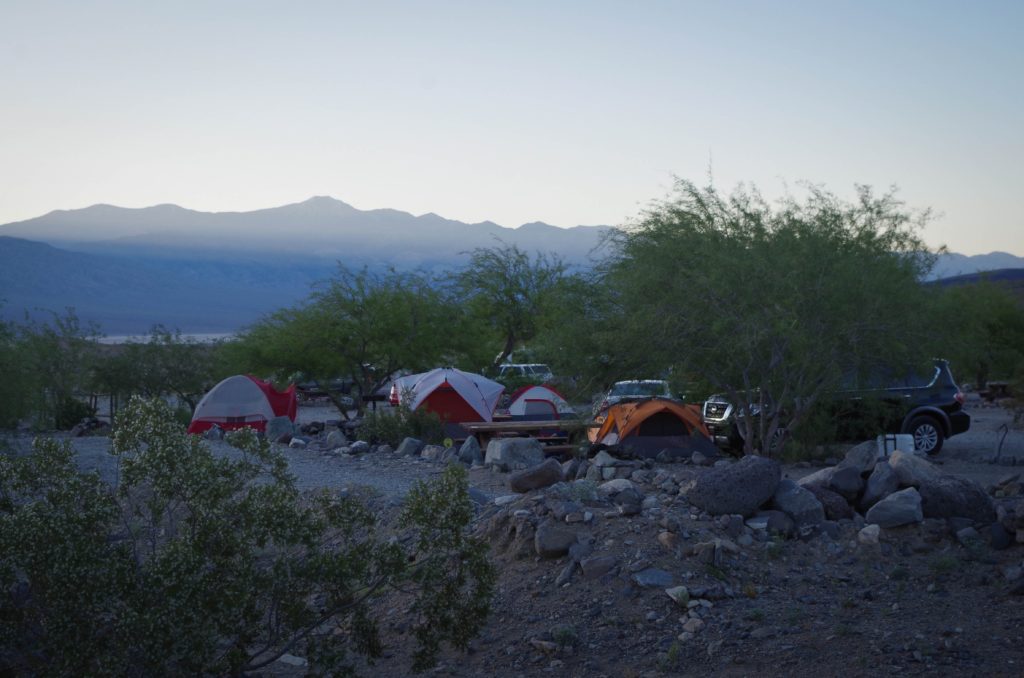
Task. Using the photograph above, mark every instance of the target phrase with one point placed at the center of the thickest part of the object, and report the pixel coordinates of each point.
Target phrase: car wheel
(928, 435)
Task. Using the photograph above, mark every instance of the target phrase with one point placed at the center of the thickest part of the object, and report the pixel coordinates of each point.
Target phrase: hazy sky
(564, 112)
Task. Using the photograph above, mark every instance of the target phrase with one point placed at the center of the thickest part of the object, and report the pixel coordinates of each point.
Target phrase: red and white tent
(455, 396)
(240, 401)
(539, 403)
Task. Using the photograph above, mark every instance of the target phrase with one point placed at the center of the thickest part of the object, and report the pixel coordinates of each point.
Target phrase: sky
(564, 112)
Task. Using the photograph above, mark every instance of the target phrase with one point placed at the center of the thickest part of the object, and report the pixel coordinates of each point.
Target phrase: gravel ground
(972, 454)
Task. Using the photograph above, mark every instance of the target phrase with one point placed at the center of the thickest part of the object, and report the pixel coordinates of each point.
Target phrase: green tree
(771, 305)
(359, 324)
(508, 291)
(60, 354)
(982, 331)
(205, 564)
(166, 364)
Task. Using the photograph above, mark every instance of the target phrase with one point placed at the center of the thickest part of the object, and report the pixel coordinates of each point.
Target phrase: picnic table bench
(486, 430)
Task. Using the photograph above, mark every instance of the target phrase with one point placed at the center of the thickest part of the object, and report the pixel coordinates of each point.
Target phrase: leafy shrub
(70, 411)
(200, 564)
(394, 425)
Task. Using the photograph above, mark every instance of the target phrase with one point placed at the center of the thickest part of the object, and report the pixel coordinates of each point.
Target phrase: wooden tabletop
(524, 426)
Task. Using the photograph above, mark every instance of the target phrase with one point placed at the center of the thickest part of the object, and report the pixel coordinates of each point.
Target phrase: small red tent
(243, 400)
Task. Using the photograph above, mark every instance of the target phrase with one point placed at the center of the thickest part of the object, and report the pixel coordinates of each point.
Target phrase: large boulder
(899, 508)
(737, 488)
(552, 540)
(798, 503)
(335, 439)
(507, 454)
(881, 483)
(280, 429)
(411, 447)
(546, 473)
(862, 457)
(820, 478)
(955, 497)
(470, 452)
(847, 482)
(911, 469)
(836, 508)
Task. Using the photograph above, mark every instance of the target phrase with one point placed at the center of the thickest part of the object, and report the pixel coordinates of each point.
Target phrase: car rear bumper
(959, 422)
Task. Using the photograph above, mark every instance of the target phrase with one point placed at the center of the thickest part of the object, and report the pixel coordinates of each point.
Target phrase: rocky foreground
(615, 567)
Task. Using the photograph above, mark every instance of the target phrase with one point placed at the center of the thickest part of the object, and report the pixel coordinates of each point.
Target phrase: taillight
(393, 396)
(959, 397)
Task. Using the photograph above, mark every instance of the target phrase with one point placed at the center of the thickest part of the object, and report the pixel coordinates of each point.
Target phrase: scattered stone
(738, 488)
(798, 503)
(506, 499)
(335, 439)
(693, 625)
(432, 452)
(680, 595)
(565, 575)
(899, 508)
(410, 447)
(217, 433)
(670, 540)
(967, 536)
(603, 458)
(546, 473)
(505, 454)
(998, 537)
(360, 447)
(613, 487)
(597, 566)
(868, 536)
(652, 577)
(698, 458)
(552, 540)
(292, 660)
(297, 442)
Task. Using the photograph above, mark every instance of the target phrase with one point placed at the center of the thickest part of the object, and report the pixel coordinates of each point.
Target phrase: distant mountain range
(127, 269)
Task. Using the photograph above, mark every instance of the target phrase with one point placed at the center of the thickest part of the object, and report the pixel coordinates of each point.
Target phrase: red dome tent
(539, 403)
(455, 396)
(243, 400)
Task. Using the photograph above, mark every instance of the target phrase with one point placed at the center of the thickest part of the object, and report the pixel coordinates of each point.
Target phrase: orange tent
(647, 427)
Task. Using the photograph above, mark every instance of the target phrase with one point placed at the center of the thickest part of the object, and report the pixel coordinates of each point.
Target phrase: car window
(639, 388)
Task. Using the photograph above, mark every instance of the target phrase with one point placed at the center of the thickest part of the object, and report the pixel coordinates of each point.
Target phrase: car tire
(928, 434)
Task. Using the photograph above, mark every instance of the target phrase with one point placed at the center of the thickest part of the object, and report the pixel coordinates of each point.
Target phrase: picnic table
(486, 430)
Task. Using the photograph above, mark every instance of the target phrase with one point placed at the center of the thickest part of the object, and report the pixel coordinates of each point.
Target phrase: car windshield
(639, 388)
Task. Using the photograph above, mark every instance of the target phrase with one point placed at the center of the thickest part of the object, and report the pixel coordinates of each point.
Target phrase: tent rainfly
(243, 400)
(648, 427)
(455, 396)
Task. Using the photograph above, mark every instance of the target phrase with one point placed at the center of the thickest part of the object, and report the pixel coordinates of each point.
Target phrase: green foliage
(199, 563)
(510, 293)
(981, 331)
(455, 579)
(45, 366)
(394, 425)
(360, 325)
(771, 305)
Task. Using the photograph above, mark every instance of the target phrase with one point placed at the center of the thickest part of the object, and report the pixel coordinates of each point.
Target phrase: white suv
(536, 371)
(637, 389)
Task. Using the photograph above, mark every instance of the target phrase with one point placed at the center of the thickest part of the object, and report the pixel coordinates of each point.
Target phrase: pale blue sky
(564, 112)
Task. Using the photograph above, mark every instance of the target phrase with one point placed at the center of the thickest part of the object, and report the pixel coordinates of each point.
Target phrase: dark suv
(927, 405)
